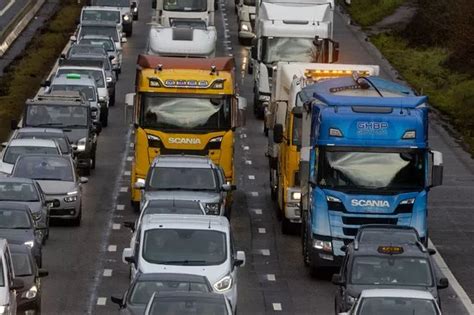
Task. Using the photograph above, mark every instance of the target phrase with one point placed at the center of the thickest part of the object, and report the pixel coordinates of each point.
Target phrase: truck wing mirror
(436, 168)
(297, 112)
(278, 133)
(129, 99)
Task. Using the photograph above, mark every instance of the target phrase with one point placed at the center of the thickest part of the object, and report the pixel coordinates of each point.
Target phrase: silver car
(186, 177)
(58, 179)
(108, 43)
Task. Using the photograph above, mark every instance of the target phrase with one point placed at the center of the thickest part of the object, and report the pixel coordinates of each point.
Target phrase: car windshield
(62, 141)
(89, 91)
(90, 49)
(101, 15)
(44, 168)
(107, 44)
(98, 75)
(158, 207)
(56, 116)
(397, 306)
(181, 178)
(110, 31)
(387, 236)
(288, 49)
(11, 191)
(21, 264)
(185, 306)
(391, 270)
(375, 171)
(13, 152)
(14, 219)
(184, 247)
(185, 5)
(112, 3)
(143, 290)
(191, 114)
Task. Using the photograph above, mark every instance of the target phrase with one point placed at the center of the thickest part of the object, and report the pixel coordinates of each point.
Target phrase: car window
(63, 145)
(156, 207)
(13, 152)
(397, 306)
(11, 191)
(188, 306)
(10, 219)
(44, 168)
(21, 264)
(98, 75)
(107, 44)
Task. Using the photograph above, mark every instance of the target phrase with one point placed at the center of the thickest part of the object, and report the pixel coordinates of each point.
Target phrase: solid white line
(107, 273)
(265, 252)
(120, 207)
(127, 173)
(246, 148)
(101, 301)
(116, 226)
(271, 277)
(254, 193)
(252, 177)
(112, 248)
(453, 282)
(277, 306)
(262, 230)
(123, 189)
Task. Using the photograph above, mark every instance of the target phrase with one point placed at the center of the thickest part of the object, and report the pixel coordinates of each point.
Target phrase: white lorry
(246, 15)
(292, 32)
(182, 41)
(167, 11)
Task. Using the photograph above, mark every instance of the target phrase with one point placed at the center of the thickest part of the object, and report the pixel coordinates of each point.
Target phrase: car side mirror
(123, 40)
(239, 259)
(73, 38)
(278, 133)
(431, 251)
(43, 273)
(139, 184)
(17, 284)
(130, 225)
(344, 248)
(127, 256)
(228, 187)
(443, 283)
(337, 279)
(297, 112)
(13, 124)
(83, 180)
(436, 168)
(4, 144)
(117, 300)
(253, 50)
(45, 83)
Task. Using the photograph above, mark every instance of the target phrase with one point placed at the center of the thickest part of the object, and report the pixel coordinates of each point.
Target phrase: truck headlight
(30, 244)
(244, 27)
(212, 208)
(224, 284)
(81, 144)
(296, 195)
(31, 293)
(325, 246)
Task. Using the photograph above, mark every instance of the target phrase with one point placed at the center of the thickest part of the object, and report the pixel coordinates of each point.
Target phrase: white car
(189, 244)
(9, 285)
(394, 301)
(16, 147)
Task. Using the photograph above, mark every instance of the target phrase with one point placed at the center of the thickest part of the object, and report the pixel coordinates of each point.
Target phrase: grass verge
(369, 12)
(23, 77)
(450, 92)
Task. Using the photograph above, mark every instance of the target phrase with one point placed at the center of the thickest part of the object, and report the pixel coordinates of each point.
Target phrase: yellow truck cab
(183, 106)
(284, 135)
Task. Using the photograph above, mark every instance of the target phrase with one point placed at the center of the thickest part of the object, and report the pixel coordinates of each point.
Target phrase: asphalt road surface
(84, 262)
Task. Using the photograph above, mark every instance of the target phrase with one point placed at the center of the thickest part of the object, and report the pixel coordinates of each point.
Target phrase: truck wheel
(129, 33)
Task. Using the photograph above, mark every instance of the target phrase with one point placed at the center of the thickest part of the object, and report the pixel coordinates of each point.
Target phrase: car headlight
(264, 98)
(224, 284)
(81, 144)
(323, 245)
(30, 244)
(135, 9)
(70, 198)
(126, 18)
(350, 299)
(296, 195)
(31, 293)
(36, 215)
(244, 27)
(212, 208)
(4, 309)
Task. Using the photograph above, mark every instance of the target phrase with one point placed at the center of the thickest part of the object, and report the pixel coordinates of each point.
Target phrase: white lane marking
(129, 158)
(246, 148)
(453, 282)
(252, 177)
(257, 211)
(116, 226)
(254, 193)
(265, 252)
(5, 9)
(107, 273)
(277, 307)
(120, 207)
(262, 230)
(112, 248)
(127, 173)
(242, 136)
(271, 277)
(101, 301)
(123, 189)
(248, 162)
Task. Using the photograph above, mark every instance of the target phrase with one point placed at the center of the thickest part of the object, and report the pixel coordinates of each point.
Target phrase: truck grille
(365, 220)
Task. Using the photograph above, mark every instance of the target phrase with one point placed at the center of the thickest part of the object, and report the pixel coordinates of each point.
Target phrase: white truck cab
(168, 11)
(8, 283)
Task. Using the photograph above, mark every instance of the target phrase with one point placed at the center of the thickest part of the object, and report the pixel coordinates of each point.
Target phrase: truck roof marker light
(334, 132)
(409, 134)
(159, 68)
(73, 76)
(214, 70)
(320, 74)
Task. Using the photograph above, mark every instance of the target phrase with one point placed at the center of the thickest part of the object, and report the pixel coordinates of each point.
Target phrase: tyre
(77, 221)
(112, 98)
(93, 161)
(135, 205)
(129, 33)
(104, 117)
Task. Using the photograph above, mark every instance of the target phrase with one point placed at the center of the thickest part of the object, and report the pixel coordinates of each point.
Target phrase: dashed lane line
(101, 301)
(123, 189)
(271, 277)
(251, 177)
(254, 193)
(262, 230)
(248, 162)
(112, 248)
(257, 211)
(107, 273)
(277, 307)
(116, 226)
(265, 252)
(120, 207)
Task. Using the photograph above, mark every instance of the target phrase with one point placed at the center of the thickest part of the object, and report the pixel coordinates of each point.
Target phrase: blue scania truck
(365, 159)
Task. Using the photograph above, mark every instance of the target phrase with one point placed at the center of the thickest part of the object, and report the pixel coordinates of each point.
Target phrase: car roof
(28, 142)
(11, 179)
(401, 293)
(99, 23)
(183, 161)
(12, 205)
(63, 80)
(100, 7)
(180, 221)
(171, 203)
(171, 277)
(40, 130)
(371, 249)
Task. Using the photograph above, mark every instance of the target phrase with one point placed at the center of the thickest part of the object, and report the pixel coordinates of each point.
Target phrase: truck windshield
(185, 5)
(101, 15)
(375, 171)
(288, 49)
(56, 116)
(177, 112)
(89, 91)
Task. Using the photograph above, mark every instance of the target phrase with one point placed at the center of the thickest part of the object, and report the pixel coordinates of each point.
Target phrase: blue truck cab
(364, 160)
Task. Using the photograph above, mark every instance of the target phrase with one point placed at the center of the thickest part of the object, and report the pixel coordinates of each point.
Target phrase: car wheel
(93, 161)
(135, 205)
(112, 98)
(104, 117)
(86, 171)
(77, 221)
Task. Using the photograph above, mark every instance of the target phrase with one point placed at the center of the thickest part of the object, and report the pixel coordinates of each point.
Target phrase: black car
(387, 233)
(18, 227)
(385, 266)
(141, 289)
(28, 299)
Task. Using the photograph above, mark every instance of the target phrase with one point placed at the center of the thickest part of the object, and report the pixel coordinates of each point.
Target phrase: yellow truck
(183, 106)
(284, 135)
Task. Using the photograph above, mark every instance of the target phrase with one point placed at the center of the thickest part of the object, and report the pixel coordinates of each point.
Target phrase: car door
(9, 278)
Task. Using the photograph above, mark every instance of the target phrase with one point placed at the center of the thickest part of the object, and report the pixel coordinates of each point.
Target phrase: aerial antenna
(370, 82)
(209, 224)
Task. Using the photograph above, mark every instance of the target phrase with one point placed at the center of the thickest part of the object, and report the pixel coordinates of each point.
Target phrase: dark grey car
(47, 133)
